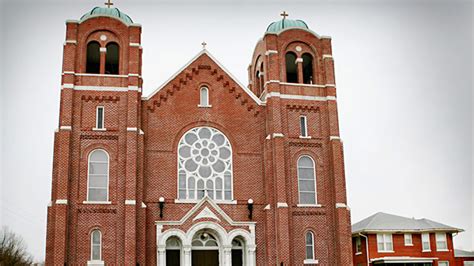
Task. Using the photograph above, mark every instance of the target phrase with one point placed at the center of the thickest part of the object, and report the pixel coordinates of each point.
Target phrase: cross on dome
(109, 3)
(284, 14)
(203, 45)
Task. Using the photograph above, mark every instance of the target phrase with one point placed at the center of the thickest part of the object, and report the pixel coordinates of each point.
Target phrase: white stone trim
(101, 75)
(97, 202)
(206, 213)
(133, 75)
(267, 207)
(143, 205)
(65, 128)
(130, 202)
(135, 44)
(95, 263)
(299, 97)
(334, 138)
(103, 49)
(305, 137)
(193, 201)
(204, 51)
(269, 52)
(50, 203)
(269, 136)
(331, 98)
(341, 205)
(61, 201)
(327, 56)
(204, 106)
(70, 41)
(99, 129)
(330, 85)
(132, 129)
(67, 86)
(302, 84)
(133, 88)
(310, 261)
(299, 60)
(309, 205)
(282, 205)
(69, 73)
(141, 132)
(278, 135)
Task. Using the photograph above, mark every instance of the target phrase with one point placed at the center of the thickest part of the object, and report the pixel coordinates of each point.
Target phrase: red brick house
(464, 257)
(204, 170)
(386, 239)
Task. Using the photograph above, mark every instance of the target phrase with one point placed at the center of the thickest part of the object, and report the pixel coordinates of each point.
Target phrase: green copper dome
(280, 25)
(107, 12)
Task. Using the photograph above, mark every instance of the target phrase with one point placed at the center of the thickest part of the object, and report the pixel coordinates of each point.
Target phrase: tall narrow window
(237, 252)
(291, 68)
(384, 242)
(93, 58)
(441, 242)
(112, 59)
(425, 240)
(99, 118)
(98, 179)
(96, 245)
(309, 246)
(358, 245)
(307, 69)
(261, 79)
(306, 180)
(204, 97)
(257, 83)
(303, 126)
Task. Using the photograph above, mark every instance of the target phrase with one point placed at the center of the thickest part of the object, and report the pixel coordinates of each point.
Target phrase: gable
(191, 68)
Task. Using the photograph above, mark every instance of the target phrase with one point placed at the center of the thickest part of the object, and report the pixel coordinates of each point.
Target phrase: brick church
(204, 170)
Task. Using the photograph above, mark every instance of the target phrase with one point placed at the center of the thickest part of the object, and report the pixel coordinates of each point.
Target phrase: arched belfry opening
(112, 59)
(308, 75)
(93, 58)
(291, 68)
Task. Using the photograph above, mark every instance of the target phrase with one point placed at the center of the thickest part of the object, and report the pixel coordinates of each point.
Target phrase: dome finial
(109, 3)
(204, 45)
(284, 15)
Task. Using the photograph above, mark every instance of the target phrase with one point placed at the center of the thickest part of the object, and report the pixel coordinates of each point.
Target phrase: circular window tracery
(204, 165)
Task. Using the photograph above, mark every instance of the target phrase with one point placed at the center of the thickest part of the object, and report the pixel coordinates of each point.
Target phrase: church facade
(205, 170)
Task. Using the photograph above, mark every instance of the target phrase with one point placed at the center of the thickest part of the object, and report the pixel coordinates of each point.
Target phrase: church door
(205, 257)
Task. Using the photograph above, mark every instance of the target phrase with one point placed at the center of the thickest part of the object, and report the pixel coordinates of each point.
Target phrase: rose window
(204, 165)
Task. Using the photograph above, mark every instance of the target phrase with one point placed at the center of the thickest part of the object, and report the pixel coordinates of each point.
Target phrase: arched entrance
(205, 249)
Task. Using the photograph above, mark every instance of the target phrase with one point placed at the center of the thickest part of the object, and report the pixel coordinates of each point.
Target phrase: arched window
(204, 165)
(204, 97)
(309, 245)
(112, 59)
(257, 83)
(261, 79)
(308, 69)
(173, 251)
(98, 177)
(291, 68)
(306, 180)
(93, 58)
(96, 245)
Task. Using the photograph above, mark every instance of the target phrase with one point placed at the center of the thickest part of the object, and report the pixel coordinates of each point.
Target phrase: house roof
(463, 253)
(384, 222)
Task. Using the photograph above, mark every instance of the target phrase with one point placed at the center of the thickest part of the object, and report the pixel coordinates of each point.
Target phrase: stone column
(161, 256)
(299, 69)
(187, 255)
(227, 256)
(251, 259)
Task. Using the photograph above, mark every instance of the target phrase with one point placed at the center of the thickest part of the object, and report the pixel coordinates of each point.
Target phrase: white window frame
(304, 134)
(386, 238)
(427, 236)
(445, 262)
(93, 261)
(300, 204)
(311, 259)
(88, 177)
(202, 103)
(358, 245)
(408, 239)
(439, 237)
(97, 126)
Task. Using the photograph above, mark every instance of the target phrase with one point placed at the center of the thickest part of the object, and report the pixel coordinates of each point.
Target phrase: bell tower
(292, 70)
(96, 167)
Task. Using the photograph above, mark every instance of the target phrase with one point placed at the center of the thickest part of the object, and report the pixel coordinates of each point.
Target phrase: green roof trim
(280, 25)
(107, 12)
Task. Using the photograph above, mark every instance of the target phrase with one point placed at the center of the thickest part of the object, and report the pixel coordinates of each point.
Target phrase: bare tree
(13, 249)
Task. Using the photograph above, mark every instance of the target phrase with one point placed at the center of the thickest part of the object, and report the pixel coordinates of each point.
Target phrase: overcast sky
(403, 75)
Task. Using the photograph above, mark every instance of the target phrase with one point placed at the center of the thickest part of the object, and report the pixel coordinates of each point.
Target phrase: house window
(443, 263)
(425, 240)
(408, 240)
(204, 165)
(96, 245)
(441, 242)
(358, 245)
(98, 176)
(204, 97)
(303, 126)
(384, 242)
(112, 59)
(99, 117)
(93, 58)
(309, 245)
(306, 180)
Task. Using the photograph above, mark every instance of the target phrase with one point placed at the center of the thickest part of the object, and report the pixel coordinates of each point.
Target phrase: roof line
(204, 51)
